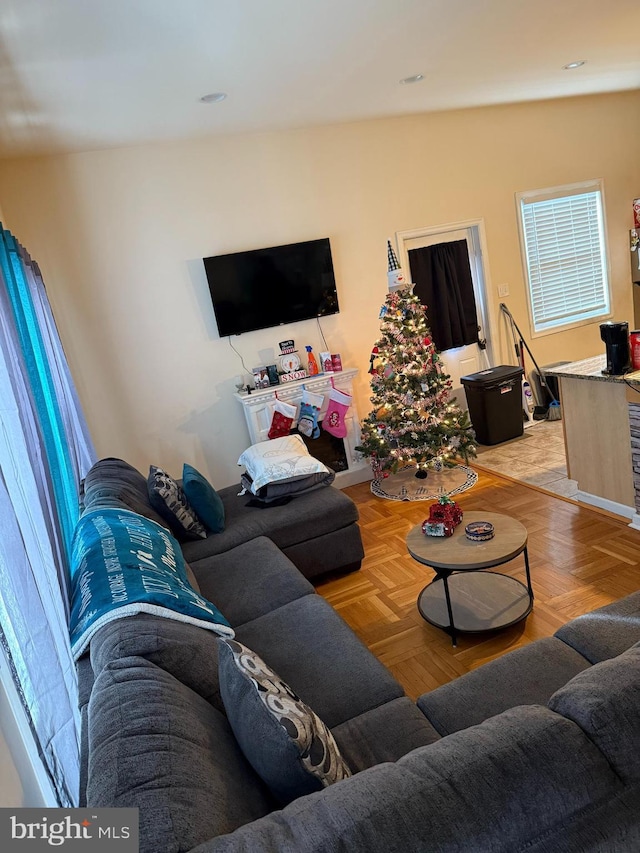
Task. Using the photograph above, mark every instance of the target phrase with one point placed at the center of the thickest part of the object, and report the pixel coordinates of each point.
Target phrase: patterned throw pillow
(285, 742)
(170, 501)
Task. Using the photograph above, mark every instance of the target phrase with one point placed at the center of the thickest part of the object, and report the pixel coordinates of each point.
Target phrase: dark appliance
(268, 287)
(494, 397)
(616, 339)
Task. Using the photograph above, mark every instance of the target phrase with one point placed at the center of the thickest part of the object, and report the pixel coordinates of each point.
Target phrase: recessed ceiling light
(576, 64)
(416, 78)
(213, 98)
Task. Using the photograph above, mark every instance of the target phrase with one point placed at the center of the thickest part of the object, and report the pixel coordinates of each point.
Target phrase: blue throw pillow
(203, 498)
(285, 742)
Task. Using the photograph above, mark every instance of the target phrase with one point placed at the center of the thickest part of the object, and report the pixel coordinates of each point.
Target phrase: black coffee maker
(616, 338)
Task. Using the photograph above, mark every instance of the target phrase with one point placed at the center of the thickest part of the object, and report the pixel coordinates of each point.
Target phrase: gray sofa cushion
(171, 755)
(187, 652)
(338, 549)
(611, 826)
(488, 788)
(250, 580)
(85, 679)
(191, 577)
(113, 482)
(385, 733)
(84, 755)
(525, 676)
(85, 683)
(316, 652)
(605, 632)
(605, 703)
(284, 740)
(305, 517)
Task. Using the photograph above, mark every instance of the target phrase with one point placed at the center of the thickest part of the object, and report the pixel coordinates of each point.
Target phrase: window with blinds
(565, 259)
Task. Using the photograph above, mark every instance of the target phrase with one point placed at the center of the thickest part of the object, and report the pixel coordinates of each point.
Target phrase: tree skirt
(405, 486)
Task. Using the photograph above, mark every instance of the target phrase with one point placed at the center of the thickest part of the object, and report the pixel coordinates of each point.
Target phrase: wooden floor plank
(580, 559)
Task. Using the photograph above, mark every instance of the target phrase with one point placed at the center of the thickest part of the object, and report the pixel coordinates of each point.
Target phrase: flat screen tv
(269, 287)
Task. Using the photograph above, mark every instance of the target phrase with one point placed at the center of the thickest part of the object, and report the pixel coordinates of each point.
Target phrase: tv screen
(269, 287)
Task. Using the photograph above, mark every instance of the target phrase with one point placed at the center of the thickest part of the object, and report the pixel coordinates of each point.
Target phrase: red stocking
(283, 415)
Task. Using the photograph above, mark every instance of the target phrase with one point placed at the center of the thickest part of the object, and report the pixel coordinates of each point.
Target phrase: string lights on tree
(414, 420)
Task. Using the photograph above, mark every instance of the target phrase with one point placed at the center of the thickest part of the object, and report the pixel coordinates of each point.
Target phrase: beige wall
(119, 235)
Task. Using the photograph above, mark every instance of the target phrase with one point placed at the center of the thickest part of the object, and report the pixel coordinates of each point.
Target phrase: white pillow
(279, 459)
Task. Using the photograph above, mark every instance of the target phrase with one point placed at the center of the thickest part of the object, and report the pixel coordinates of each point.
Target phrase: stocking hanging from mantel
(334, 420)
(282, 418)
(309, 411)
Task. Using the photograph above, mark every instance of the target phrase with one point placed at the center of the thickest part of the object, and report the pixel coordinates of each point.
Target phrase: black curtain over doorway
(443, 283)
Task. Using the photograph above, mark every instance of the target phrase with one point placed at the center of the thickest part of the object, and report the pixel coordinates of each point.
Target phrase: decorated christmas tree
(414, 420)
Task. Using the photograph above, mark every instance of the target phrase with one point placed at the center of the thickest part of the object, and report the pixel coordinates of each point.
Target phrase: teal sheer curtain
(47, 406)
(45, 451)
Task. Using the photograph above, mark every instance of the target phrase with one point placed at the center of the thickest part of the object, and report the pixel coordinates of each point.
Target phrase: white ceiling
(86, 74)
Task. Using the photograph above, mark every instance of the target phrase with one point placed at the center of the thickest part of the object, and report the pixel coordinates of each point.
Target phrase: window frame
(558, 192)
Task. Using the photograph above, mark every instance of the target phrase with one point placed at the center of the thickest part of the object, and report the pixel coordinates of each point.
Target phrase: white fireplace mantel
(258, 411)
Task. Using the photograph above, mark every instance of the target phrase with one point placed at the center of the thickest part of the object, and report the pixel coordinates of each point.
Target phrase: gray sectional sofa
(536, 751)
(318, 531)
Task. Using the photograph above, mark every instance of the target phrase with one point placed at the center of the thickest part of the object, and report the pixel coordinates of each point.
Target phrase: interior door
(471, 358)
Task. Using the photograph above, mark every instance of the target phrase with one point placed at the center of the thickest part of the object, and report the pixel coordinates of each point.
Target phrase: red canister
(634, 345)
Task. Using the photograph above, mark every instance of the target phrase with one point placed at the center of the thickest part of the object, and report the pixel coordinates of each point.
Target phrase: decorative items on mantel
(290, 362)
(258, 407)
(291, 368)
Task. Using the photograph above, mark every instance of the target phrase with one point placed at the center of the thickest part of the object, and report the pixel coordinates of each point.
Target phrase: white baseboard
(611, 506)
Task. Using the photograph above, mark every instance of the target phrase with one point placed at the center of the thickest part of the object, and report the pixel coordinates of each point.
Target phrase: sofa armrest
(492, 787)
(525, 676)
(606, 632)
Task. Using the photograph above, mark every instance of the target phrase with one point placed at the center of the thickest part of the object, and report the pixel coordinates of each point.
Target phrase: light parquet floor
(580, 559)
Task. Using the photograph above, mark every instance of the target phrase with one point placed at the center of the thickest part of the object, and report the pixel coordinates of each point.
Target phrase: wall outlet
(503, 290)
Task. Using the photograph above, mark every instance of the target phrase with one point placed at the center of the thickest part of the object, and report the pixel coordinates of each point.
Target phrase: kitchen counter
(591, 368)
(601, 422)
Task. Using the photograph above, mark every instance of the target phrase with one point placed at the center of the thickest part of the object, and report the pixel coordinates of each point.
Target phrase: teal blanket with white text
(123, 564)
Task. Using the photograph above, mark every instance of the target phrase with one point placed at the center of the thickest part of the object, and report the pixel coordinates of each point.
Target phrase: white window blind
(565, 256)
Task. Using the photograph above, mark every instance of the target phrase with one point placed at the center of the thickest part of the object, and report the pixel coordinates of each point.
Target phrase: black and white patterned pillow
(169, 501)
(286, 743)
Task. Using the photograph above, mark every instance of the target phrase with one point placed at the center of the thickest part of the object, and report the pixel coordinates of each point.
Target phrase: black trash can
(494, 397)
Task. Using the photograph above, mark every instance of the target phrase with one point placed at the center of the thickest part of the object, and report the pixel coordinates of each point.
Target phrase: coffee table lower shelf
(480, 601)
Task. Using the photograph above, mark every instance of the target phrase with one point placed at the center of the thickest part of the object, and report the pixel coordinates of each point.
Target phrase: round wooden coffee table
(462, 598)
